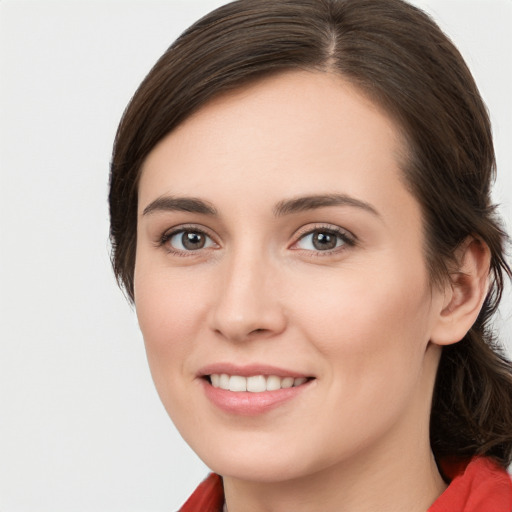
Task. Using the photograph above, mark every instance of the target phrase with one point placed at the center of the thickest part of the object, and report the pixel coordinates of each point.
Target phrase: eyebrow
(282, 208)
(313, 202)
(180, 204)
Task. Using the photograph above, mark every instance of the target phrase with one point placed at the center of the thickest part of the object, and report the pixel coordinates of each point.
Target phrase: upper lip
(248, 370)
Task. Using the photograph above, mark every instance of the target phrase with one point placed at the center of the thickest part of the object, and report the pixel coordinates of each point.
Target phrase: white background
(81, 427)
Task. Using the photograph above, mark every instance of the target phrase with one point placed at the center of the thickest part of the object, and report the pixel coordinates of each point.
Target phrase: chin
(262, 460)
(256, 469)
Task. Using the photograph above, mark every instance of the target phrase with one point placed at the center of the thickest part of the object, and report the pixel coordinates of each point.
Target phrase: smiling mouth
(255, 383)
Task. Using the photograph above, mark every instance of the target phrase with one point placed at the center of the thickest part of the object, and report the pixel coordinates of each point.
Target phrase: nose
(247, 304)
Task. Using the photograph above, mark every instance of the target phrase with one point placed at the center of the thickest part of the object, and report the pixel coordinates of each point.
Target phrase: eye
(323, 239)
(187, 240)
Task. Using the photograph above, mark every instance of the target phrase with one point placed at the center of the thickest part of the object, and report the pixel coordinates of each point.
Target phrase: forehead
(287, 133)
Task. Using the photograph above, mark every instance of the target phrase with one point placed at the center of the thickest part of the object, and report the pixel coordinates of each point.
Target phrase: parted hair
(396, 55)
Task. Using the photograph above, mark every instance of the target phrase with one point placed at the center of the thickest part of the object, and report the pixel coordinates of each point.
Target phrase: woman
(300, 212)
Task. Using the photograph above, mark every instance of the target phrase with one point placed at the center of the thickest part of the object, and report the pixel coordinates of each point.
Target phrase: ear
(464, 294)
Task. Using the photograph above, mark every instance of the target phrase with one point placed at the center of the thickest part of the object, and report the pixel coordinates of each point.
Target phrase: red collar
(480, 486)
(208, 497)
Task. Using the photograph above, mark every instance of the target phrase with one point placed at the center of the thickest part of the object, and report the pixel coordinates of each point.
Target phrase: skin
(362, 319)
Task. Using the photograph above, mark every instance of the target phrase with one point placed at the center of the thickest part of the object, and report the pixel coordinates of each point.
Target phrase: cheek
(372, 339)
(369, 324)
(170, 318)
(170, 314)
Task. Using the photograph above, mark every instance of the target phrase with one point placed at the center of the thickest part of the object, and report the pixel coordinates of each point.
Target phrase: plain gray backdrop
(81, 427)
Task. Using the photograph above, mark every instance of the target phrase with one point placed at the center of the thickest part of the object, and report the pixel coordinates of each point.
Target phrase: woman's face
(277, 244)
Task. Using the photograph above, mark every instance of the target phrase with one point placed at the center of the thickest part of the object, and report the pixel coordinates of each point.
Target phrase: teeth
(237, 383)
(223, 381)
(254, 384)
(287, 382)
(273, 383)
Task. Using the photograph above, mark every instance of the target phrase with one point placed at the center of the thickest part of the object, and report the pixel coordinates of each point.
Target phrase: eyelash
(168, 235)
(348, 240)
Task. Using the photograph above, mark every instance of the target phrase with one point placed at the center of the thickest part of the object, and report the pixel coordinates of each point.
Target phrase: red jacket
(480, 486)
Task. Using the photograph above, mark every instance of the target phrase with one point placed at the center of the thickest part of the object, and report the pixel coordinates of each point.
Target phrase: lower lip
(245, 403)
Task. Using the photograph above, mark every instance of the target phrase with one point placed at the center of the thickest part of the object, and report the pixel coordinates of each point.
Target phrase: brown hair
(400, 58)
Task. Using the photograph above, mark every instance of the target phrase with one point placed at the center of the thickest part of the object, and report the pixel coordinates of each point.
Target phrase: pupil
(324, 241)
(192, 241)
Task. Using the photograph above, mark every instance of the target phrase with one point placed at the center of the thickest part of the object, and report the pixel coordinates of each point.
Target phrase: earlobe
(465, 293)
